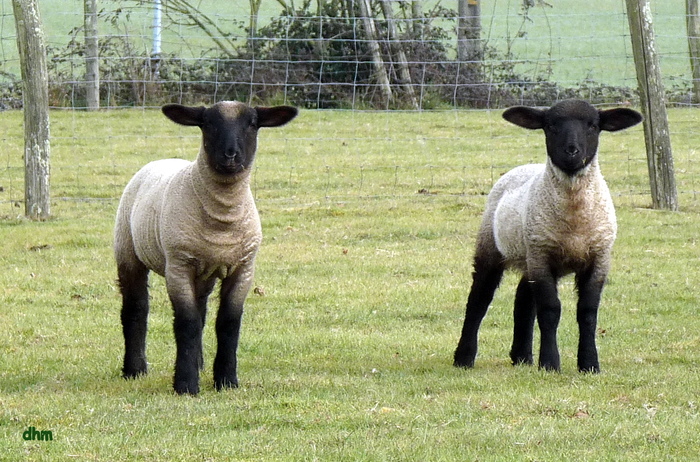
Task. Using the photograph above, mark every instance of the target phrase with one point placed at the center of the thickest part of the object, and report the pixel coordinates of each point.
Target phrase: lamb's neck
(573, 185)
(574, 197)
(224, 200)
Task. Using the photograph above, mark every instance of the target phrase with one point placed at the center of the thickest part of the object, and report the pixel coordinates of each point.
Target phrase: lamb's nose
(572, 150)
(230, 153)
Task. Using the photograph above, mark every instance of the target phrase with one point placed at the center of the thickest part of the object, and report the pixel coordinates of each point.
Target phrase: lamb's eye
(592, 127)
(551, 128)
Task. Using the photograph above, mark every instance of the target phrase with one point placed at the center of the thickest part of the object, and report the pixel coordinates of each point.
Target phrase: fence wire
(319, 58)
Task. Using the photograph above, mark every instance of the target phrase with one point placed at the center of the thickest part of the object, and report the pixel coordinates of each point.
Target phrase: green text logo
(33, 434)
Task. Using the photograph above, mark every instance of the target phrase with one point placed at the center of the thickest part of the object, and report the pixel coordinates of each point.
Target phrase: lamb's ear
(184, 115)
(526, 117)
(275, 116)
(616, 119)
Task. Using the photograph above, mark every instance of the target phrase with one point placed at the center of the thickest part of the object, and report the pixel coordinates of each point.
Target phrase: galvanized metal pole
(157, 28)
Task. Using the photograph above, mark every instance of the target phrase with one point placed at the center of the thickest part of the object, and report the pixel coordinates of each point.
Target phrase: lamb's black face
(229, 131)
(229, 134)
(572, 129)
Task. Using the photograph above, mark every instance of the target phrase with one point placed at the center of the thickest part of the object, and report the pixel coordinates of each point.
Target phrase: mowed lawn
(369, 221)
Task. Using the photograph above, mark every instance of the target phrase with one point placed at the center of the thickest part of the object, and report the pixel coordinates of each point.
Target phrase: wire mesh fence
(320, 56)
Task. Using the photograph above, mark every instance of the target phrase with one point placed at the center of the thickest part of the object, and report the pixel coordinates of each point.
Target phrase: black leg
(187, 325)
(544, 291)
(486, 279)
(228, 326)
(133, 283)
(188, 337)
(203, 291)
(590, 288)
(523, 324)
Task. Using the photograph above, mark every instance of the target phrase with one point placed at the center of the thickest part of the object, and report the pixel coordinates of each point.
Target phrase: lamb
(194, 223)
(547, 221)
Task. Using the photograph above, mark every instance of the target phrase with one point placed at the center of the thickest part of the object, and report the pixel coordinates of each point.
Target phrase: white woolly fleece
(539, 207)
(176, 212)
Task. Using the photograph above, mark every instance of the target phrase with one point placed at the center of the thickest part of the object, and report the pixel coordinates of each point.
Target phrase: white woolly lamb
(547, 221)
(194, 223)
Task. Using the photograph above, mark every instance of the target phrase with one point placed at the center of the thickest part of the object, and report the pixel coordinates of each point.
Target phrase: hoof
(186, 385)
(133, 372)
(463, 363)
(550, 368)
(522, 360)
(186, 389)
(222, 384)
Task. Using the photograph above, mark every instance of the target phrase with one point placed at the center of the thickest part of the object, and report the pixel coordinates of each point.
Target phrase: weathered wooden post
(92, 57)
(468, 30)
(651, 92)
(35, 94)
(377, 61)
(692, 17)
(397, 50)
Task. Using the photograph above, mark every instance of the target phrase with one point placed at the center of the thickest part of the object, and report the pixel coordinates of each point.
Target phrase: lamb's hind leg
(133, 283)
(486, 278)
(203, 289)
(523, 324)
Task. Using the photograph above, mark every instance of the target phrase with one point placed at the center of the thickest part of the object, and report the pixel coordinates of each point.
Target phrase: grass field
(369, 222)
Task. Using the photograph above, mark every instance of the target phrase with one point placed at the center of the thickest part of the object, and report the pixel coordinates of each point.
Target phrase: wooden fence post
(469, 31)
(35, 95)
(653, 102)
(92, 57)
(377, 61)
(400, 54)
(692, 18)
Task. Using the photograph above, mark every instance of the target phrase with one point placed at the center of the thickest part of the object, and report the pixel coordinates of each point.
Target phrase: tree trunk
(693, 27)
(651, 92)
(92, 59)
(377, 61)
(397, 50)
(32, 53)
(417, 14)
(468, 30)
(253, 22)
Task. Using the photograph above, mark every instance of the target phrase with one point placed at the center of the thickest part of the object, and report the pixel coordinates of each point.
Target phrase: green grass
(347, 356)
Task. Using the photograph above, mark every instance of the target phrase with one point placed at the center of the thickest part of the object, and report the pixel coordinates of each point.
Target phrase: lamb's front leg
(188, 329)
(590, 287)
(544, 290)
(234, 290)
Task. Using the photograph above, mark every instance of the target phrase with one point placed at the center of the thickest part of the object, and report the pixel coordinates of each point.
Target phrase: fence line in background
(533, 57)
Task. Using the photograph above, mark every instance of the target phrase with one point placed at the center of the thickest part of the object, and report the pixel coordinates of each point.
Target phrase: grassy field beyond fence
(369, 222)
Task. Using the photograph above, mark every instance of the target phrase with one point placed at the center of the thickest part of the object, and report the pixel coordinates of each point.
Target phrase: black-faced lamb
(547, 221)
(194, 223)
